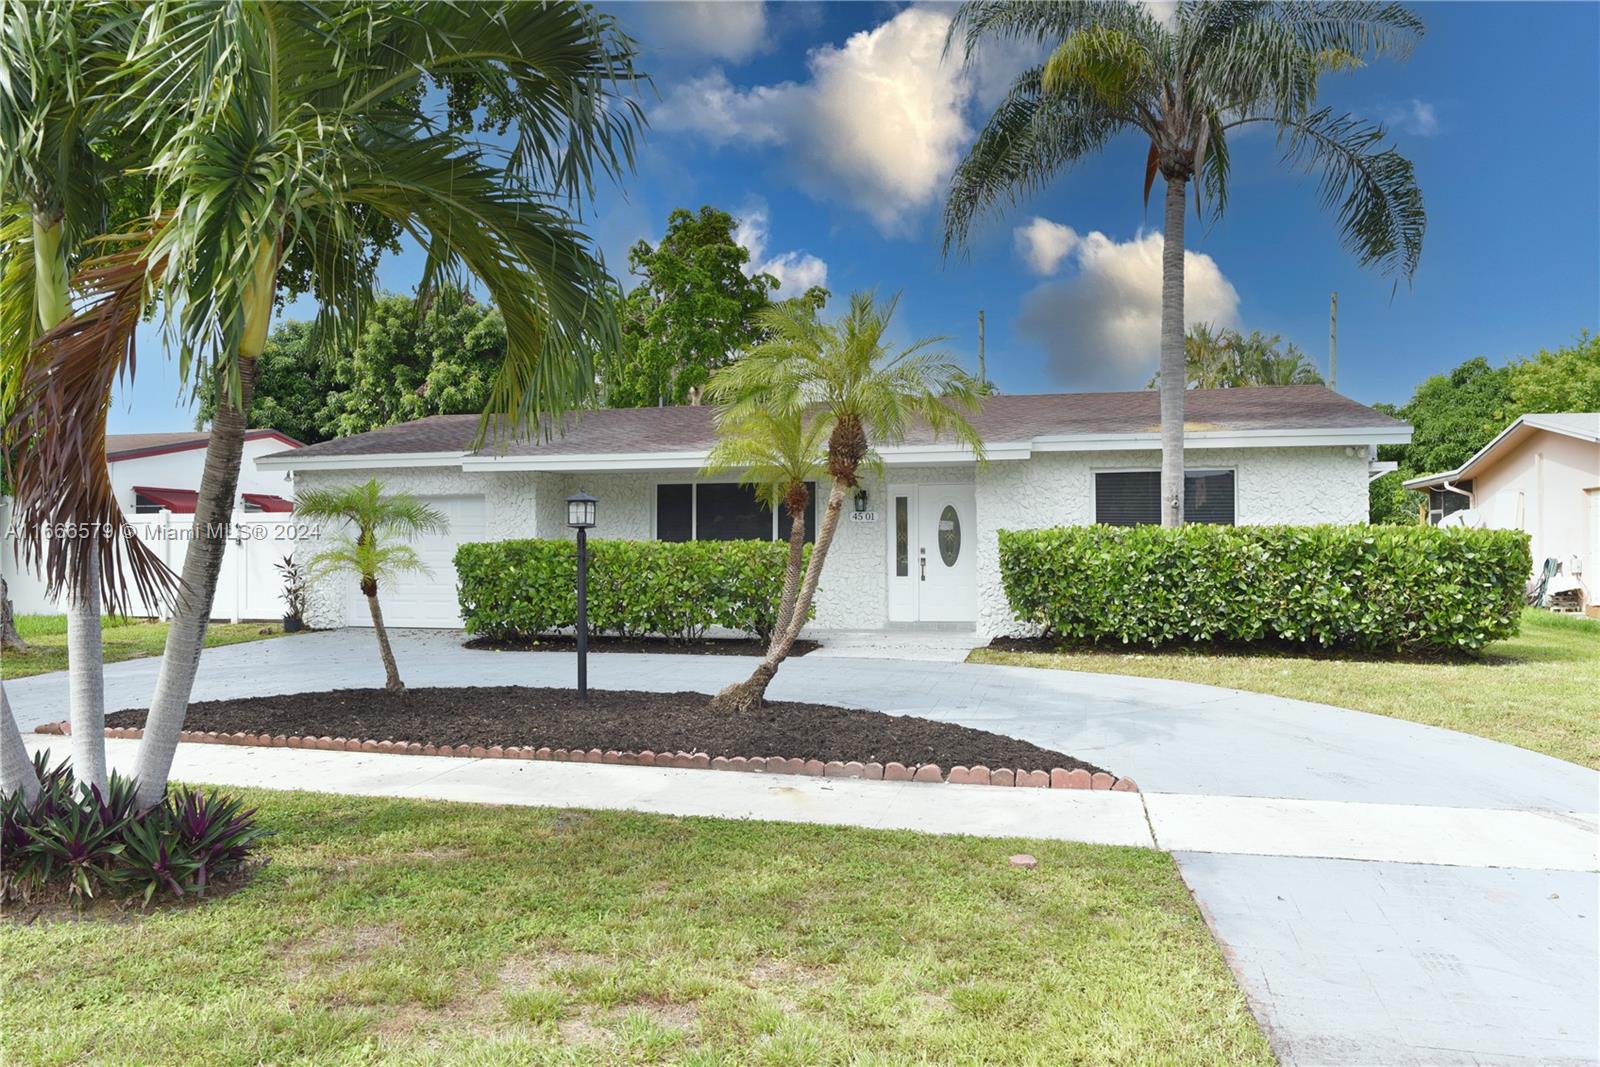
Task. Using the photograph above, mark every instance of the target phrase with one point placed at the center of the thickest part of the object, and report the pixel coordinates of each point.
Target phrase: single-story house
(919, 545)
(1540, 474)
(156, 478)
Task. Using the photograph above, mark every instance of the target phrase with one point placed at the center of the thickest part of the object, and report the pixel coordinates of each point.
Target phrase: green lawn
(418, 933)
(123, 639)
(1536, 690)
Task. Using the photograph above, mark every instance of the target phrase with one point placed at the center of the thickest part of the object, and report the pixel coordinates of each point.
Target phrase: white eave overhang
(893, 455)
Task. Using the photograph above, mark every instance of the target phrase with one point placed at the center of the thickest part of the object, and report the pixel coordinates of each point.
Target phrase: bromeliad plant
(85, 842)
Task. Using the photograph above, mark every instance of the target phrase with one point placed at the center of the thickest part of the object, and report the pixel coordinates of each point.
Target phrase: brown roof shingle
(1003, 418)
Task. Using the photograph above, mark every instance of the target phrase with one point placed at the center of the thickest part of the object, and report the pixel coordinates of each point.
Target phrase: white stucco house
(920, 546)
(1540, 474)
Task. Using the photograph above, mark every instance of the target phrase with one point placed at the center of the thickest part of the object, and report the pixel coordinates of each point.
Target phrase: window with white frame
(723, 511)
(1133, 498)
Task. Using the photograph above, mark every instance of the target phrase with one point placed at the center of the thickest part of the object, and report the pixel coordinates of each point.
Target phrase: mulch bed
(621, 720)
(705, 646)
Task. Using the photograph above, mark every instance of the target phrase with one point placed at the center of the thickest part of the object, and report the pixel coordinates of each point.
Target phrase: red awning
(268, 502)
(180, 501)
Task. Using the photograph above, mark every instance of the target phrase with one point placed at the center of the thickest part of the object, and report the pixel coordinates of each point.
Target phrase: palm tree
(299, 142)
(1266, 360)
(371, 556)
(59, 144)
(779, 452)
(846, 381)
(1227, 359)
(1217, 67)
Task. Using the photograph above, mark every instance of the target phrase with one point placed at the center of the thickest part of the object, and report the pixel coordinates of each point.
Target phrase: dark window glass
(902, 539)
(143, 505)
(1133, 498)
(674, 512)
(1442, 502)
(1208, 497)
(949, 535)
(1127, 498)
(726, 512)
(811, 513)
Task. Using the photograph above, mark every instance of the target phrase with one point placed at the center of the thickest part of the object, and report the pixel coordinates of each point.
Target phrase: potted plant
(294, 594)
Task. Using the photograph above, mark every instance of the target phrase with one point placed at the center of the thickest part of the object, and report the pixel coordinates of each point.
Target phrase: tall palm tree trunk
(86, 683)
(791, 575)
(10, 640)
(1174, 374)
(16, 769)
(391, 672)
(748, 694)
(202, 563)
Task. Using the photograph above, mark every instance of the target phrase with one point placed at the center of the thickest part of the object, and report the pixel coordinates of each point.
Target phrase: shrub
(82, 842)
(516, 589)
(1364, 587)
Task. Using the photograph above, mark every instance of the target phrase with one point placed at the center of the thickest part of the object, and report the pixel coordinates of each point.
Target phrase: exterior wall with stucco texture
(1301, 486)
(511, 505)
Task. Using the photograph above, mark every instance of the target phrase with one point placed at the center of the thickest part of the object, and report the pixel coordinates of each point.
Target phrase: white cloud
(1100, 326)
(880, 121)
(1415, 117)
(796, 271)
(733, 30)
(1043, 244)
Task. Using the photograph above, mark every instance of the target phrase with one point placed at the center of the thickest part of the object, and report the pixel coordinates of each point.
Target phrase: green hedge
(512, 589)
(1365, 587)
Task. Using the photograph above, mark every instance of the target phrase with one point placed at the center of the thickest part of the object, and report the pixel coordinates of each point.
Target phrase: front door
(932, 535)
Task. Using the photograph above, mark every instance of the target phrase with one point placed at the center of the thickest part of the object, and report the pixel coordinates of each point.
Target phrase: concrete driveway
(1439, 935)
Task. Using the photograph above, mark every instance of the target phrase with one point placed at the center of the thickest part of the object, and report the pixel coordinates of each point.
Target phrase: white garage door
(426, 600)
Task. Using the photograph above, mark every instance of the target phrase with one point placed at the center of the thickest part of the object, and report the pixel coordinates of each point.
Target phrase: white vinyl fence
(248, 588)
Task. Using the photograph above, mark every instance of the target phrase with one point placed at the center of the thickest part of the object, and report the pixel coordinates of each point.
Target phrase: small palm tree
(846, 382)
(1184, 86)
(779, 453)
(372, 555)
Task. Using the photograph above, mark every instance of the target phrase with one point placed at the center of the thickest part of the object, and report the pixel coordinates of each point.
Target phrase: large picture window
(1133, 498)
(723, 511)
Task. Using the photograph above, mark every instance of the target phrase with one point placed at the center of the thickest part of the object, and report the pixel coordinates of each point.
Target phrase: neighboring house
(919, 545)
(1540, 474)
(156, 478)
(154, 472)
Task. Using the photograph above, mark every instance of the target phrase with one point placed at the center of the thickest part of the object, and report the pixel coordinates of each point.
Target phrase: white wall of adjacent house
(248, 588)
(1271, 485)
(1545, 484)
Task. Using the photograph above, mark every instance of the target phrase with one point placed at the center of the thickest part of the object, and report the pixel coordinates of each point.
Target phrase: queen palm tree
(59, 148)
(845, 379)
(1217, 67)
(779, 453)
(373, 555)
(300, 140)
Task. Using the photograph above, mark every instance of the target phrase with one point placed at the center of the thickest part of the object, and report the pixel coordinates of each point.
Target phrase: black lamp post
(580, 516)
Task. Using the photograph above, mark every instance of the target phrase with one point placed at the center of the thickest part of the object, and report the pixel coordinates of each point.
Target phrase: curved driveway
(1170, 737)
(1345, 961)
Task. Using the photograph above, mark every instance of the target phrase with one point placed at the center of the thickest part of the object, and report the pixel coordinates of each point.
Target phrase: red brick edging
(1056, 778)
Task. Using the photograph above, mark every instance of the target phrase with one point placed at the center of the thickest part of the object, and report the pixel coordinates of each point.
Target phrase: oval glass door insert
(949, 536)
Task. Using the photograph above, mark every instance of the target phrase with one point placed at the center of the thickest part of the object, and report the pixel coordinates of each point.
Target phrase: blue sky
(830, 129)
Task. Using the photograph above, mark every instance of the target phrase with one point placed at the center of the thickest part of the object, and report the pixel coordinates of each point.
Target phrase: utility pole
(983, 373)
(1333, 341)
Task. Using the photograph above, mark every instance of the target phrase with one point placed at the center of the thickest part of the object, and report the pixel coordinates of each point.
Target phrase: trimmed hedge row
(1364, 587)
(514, 589)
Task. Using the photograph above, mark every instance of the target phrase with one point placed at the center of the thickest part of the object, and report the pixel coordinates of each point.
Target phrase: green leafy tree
(692, 312)
(1115, 68)
(1227, 359)
(857, 392)
(1561, 379)
(294, 387)
(370, 546)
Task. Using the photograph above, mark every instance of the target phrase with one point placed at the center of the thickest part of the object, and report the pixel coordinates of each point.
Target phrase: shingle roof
(128, 445)
(1004, 418)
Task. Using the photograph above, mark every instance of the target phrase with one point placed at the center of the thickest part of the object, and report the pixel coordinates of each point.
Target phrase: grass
(46, 636)
(1536, 690)
(412, 932)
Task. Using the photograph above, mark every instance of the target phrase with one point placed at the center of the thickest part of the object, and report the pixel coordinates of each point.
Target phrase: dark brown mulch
(705, 646)
(623, 720)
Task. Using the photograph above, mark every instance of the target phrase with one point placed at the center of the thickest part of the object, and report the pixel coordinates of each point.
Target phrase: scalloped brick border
(1055, 778)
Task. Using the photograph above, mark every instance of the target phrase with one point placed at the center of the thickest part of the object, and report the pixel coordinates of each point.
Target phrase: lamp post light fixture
(580, 516)
(861, 500)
